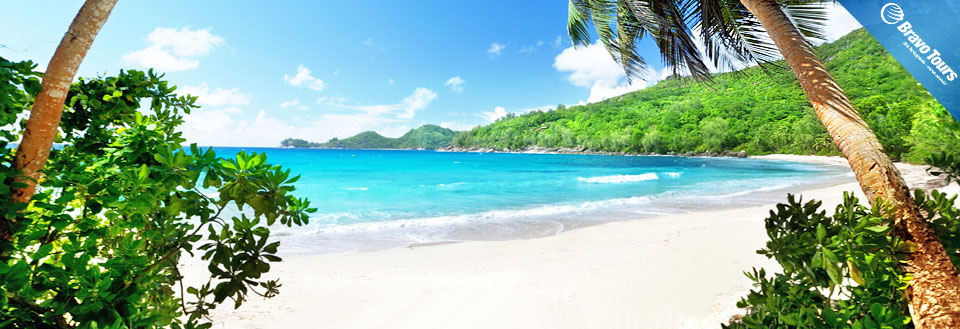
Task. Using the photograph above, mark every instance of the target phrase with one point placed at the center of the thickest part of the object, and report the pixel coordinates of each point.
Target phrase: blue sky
(265, 71)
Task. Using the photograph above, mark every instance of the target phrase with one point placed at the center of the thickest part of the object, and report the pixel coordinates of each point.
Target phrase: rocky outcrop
(583, 150)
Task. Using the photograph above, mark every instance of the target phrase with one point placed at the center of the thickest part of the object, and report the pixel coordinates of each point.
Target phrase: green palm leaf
(688, 33)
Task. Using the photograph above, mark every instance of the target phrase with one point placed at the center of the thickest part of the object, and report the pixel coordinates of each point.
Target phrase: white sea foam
(493, 216)
(672, 174)
(366, 230)
(355, 188)
(616, 179)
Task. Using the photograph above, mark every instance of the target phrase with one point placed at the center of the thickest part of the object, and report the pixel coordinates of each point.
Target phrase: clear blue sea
(378, 199)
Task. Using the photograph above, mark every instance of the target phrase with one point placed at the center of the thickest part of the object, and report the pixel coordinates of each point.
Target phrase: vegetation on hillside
(749, 110)
(427, 137)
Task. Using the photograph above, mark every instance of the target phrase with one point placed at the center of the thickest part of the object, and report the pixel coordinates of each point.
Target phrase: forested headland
(756, 110)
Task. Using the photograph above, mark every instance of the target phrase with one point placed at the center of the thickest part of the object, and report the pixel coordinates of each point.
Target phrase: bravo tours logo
(892, 13)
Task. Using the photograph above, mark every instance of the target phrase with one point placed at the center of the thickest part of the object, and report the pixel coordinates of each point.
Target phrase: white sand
(678, 271)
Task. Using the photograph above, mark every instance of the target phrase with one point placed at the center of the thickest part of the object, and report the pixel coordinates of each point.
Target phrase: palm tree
(41, 127)
(744, 31)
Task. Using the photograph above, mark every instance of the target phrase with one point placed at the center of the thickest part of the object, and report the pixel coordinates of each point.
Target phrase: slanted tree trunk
(44, 118)
(934, 293)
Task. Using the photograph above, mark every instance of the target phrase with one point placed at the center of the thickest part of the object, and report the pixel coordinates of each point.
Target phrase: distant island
(427, 137)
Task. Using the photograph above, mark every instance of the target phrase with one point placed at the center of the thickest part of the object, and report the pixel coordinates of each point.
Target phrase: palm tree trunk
(44, 119)
(934, 292)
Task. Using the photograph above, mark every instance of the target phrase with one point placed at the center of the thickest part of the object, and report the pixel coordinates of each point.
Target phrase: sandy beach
(676, 271)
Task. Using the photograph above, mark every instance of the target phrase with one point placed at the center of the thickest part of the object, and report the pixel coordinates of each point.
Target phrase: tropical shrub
(841, 270)
(946, 165)
(122, 203)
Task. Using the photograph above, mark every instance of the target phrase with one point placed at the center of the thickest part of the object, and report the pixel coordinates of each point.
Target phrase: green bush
(121, 203)
(946, 165)
(839, 271)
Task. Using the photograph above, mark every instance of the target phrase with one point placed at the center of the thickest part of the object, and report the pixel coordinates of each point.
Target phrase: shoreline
(584, 151)
(535, 150)
(672, 271)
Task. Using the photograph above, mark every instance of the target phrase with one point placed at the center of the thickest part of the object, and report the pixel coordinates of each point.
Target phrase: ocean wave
(672, 174)
(355, 188)
(545, 212)
(616, 179)
(350, 223)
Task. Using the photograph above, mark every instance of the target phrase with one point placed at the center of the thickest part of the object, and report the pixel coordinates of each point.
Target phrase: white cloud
(221, 128)
(455, 83)
(294, 103)
(174, 50)
(370, 44)
(216, 97)
(456, 126)
(304, 79)
(230, 127)
(289, 103)
(558, 42)
(495, 49)
(601, 91)
(393, 131)
(390, 82)
(500, 112)
(418, 100)
(332, 101)
(207, 127)
(589, 65)
(592, 67)
(533, 47)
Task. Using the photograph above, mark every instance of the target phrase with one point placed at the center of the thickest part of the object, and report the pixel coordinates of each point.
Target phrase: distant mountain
(426, 137)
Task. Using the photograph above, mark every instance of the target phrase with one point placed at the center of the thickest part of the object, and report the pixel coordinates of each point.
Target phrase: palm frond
(578, 18)
(689, 32)
(810, 17)
(630, 30)
(735, 37)
(675, 40)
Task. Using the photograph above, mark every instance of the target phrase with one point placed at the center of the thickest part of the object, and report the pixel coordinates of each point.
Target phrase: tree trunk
(934, 292)
(44, 119)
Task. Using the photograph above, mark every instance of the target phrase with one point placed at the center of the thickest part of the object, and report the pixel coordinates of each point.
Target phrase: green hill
(426, 137)
(749, 110)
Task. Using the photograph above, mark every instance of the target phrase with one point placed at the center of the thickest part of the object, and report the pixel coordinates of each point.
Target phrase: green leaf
(878, 228)
(144, 172)
(821, 232)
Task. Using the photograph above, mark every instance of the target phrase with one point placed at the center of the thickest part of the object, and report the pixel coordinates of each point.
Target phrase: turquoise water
(376, 199)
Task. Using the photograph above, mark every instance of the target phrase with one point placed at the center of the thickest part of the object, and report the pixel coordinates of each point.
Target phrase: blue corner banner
(923, 35)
